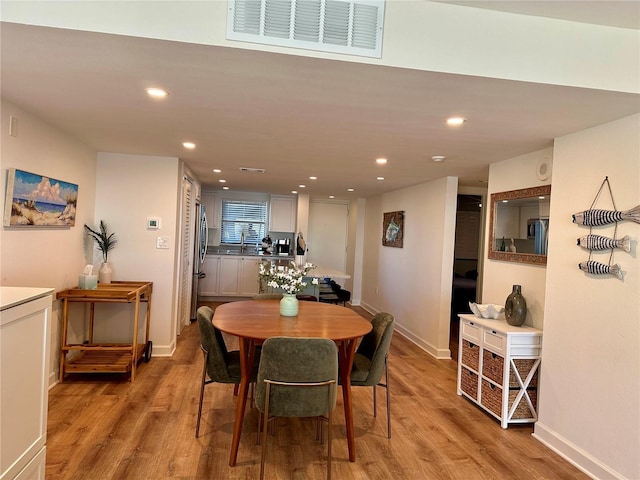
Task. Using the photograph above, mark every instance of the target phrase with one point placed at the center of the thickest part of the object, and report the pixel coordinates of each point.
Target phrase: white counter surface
(325, 272)
(12, 296)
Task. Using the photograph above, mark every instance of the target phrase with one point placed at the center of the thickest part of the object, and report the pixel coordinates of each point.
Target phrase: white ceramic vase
(289, 305)
(105, 273)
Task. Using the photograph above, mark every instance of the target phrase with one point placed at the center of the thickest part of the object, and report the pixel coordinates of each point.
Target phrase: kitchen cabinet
(209, 284)
(208, 199)
(25, 338)
(498, 367)
(248, 283)
(238, 275)
(282, 213)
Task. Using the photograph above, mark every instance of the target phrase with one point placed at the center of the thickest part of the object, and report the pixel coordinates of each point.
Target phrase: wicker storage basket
(471, 355)
(469, 383)
(493, 366)
(524, 366)
(491, 397)
(522, 410)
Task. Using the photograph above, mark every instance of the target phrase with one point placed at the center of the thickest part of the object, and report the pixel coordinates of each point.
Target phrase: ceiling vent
(252, 170)
(352, 27)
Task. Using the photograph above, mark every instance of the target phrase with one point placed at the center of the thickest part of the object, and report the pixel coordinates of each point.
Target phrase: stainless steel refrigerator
(200, 246)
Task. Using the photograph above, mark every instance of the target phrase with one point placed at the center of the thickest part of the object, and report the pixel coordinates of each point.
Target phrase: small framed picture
(153, 223)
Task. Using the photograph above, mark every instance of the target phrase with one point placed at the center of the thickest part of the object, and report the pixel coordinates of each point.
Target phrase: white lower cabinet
(208, 286)
(238, 276)
(25, 337)
(498, 367)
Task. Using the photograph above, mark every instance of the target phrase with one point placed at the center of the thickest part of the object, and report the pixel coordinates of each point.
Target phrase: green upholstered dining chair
(372, 360)
(220, 365)
(297, 377)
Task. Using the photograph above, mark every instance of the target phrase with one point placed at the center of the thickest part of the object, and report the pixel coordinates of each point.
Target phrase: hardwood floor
(104, 427)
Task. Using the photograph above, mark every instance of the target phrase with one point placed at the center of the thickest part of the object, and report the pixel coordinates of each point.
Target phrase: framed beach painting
(34, 200)
(393, 229)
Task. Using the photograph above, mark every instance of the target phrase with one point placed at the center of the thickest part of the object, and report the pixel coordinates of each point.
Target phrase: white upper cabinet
(282, 216)
(209, 201)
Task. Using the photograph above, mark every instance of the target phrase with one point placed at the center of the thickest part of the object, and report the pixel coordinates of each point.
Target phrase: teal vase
(289, 305)
(515, 307)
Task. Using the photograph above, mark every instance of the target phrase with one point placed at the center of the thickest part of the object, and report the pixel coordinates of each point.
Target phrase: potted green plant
(105, 242)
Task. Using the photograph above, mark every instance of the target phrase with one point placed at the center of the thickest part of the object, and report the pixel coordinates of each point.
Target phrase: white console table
(498, 366)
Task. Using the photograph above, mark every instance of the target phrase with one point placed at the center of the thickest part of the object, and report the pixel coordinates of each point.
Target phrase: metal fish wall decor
(597, 268)
(598, 242)
(597, 217)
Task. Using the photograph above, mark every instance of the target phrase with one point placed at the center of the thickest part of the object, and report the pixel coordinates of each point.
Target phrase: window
(240, 217)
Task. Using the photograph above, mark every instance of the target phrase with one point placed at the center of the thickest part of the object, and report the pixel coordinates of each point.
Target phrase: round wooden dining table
(253, 321)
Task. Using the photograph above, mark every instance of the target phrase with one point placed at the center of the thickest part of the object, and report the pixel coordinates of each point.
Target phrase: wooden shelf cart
(106, 357)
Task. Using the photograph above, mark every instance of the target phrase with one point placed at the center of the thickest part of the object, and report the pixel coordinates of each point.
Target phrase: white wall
(414, 282)
(417, 34)
(590, 377)
(129, 189)
(46, 257)
(499, 276)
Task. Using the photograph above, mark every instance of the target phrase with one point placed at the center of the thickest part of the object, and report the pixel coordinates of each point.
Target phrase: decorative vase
(105, 272)
(515, 307)
(289, 305)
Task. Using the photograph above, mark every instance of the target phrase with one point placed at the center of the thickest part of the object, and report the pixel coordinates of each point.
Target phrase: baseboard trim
(440, 354)
(573, 454)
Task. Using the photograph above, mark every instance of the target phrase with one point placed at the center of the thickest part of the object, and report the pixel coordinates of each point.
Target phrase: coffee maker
(282, 246)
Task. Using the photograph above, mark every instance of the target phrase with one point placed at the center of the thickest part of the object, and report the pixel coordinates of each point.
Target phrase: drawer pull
(493, 355)
(494, 332)
(492, 386)
(471, 323)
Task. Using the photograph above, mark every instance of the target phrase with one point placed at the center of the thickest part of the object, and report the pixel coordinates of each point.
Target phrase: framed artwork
(393, 229)
(34, 200)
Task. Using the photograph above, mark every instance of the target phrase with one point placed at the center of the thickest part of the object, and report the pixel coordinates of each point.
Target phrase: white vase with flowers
(290, 280)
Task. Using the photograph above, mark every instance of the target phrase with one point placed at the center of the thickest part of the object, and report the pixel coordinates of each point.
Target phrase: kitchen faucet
(242, 241)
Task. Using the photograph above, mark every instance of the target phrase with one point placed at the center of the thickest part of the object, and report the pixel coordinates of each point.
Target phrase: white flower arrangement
(288, 279)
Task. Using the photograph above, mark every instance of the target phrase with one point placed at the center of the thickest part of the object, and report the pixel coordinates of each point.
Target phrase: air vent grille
(340, 26)
(252, 170)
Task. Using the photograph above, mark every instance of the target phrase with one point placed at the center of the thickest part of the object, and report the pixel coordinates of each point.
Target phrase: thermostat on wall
(153, 223)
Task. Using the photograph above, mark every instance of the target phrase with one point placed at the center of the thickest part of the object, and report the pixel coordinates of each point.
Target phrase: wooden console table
(106, 357)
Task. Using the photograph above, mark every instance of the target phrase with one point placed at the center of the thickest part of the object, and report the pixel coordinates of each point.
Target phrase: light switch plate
(162, 242)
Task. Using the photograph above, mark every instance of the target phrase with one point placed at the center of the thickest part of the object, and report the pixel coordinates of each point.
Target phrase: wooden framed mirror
(519, 226)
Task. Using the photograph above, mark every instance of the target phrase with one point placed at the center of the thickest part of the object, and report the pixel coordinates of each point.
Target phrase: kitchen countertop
(249, 252)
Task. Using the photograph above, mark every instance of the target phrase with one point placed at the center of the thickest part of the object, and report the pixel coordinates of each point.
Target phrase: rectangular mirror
(519, 226)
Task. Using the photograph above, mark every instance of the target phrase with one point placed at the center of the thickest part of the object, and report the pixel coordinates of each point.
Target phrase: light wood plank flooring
(104, 427)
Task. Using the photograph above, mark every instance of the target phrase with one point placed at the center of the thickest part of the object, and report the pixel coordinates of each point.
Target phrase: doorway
(327, 237)
(466, 263)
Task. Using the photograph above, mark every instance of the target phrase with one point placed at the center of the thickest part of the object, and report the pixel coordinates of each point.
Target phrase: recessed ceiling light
(217, 170)
(189, 145)
(455, 121)
(331, 196)
(302, 186)
(438, 158)
(349, 189)
(313, 178)
(294, 191)
(381, 161)
(541, 197)
(157, 93)
(379, 178)
(505, 201)
(225, 188)
(222, 180)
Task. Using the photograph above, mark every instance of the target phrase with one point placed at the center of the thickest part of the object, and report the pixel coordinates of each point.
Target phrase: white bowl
(487, 310)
